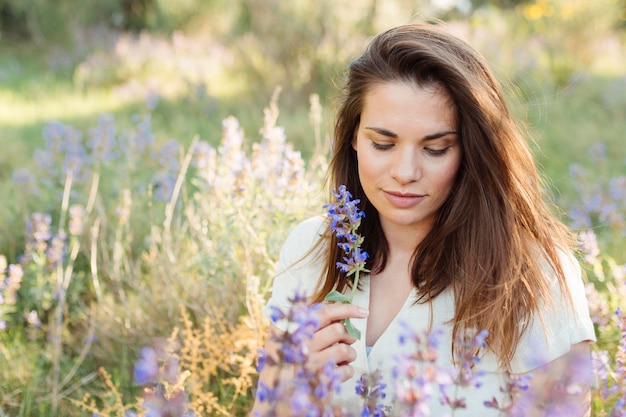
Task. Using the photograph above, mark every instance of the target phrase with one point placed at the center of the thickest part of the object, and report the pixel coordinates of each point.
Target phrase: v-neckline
(366, 291)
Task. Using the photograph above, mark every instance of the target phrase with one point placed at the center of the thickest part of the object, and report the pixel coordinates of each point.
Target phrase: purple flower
(102, 141)
(147, 367)
(345, 220)
(309, 391)
(371, 388)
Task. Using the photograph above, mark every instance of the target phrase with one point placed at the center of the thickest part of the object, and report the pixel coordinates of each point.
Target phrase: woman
(458, 235)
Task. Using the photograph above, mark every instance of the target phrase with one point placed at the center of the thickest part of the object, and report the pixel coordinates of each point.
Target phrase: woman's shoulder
(562, 322)
(302, 239)
(300, 264)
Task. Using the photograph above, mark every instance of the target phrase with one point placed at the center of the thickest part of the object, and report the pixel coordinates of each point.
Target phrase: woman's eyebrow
(440, 135)
(383, 132)
(391, 134)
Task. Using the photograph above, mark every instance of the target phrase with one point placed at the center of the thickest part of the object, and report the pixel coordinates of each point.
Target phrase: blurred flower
(142, 138)
(146, 369)
(309, 391)
(26, 182)
(163, 185)
(617, 187)
(588, 243)
(515, 386)
(168, 156)
(77, 220)
(467, 348)
(56, 251)
(371, 388)
(416, 374)
(599, 309)
(205, 161)
(32, 319)
(38, 228)
(103, 141)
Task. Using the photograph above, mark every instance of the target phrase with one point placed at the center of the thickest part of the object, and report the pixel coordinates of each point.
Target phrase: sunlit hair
(494, 234)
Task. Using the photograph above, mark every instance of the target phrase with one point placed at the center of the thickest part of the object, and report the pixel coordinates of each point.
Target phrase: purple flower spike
(345, 220)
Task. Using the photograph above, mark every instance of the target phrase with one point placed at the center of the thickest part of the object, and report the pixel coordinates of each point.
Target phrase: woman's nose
(405, 167)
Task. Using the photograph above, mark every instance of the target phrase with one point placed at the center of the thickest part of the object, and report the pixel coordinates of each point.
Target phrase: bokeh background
(155, 153)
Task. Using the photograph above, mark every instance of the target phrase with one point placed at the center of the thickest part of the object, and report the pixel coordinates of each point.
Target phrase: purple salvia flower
(345, 219)
(308, 393)
(371, 388)
(467, 348)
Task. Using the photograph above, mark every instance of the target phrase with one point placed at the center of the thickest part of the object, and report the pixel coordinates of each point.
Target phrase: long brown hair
(495, 232)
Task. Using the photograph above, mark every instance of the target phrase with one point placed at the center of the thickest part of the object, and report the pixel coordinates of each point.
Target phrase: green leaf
(352, 331)
(337, 297)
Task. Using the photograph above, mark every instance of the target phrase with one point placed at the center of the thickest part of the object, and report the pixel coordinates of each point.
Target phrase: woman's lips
(401, 200)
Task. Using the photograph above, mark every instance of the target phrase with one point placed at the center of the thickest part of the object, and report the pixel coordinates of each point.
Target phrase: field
(150, 179)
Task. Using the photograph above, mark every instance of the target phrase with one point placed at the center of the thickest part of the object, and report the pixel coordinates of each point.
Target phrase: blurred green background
(72, 60)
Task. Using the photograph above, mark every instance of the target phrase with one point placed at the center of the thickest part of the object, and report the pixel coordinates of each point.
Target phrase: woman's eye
(382, 146)
(437, 152)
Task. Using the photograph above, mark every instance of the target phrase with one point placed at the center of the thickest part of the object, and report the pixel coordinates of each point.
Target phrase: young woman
(457, 232)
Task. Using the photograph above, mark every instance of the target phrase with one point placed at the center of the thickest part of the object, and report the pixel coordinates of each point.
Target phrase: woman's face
(408, 153)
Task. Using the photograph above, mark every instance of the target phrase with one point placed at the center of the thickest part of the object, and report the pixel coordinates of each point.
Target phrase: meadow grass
(179, 239)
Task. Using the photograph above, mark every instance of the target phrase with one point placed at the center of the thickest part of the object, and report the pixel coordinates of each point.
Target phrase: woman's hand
(332, 341)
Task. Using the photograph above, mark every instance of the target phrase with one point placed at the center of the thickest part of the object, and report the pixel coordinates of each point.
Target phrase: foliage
(158, 227)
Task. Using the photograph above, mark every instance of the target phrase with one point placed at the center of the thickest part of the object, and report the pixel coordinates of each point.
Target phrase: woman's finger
(339, 311)
(339, 353)
(329, 335)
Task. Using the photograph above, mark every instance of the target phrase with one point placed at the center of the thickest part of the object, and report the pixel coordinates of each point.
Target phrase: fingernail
(363, 311)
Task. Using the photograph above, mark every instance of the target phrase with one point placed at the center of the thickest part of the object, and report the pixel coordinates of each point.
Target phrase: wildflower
(12, 283)
(617, 187)
(143, 138)
(308, 393)
(205, 161)
(56, 251)
(371, 388)
(39, 231)
(345, 220)
(77, 220)
(102, 141)
(467, 347)
(588, 243)
(168, 156)
(416, 373)
(33, 319)
(26, 181)
(147, 367)
(163, 183)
